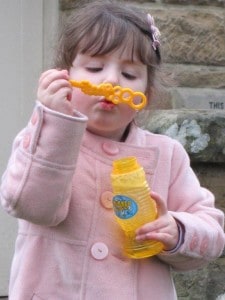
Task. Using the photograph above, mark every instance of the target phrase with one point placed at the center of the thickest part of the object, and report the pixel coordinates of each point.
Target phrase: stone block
(197, 76)
(201, 132)
(191, 35)
(198, 98)
(196, 2)
(212, 176)
(67, 4)
(70, 4)
(202, 284)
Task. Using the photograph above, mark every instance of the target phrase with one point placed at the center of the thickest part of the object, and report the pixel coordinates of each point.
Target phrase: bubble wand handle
(115, 94)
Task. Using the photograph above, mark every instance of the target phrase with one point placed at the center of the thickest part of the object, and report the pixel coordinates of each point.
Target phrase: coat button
(106, 199)
(110, 148)
(26, 141)
(99, 251)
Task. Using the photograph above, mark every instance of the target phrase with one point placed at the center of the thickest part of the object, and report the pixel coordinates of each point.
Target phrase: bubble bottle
(133, 206)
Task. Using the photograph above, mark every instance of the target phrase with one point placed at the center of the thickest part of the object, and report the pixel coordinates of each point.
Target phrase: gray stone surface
(68, 4)
(198, 76)
(211, 176)
(201, 132)
(196, 2)
(204, 284)
(191, 36)
(198, 98)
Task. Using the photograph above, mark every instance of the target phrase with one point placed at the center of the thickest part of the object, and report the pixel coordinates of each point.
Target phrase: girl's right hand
(54, 91)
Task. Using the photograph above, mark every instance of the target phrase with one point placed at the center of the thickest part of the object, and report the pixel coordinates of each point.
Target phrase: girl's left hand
(164, 229)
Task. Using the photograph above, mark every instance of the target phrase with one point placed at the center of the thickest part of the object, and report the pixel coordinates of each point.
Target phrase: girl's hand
(54, 91)
(164, 229)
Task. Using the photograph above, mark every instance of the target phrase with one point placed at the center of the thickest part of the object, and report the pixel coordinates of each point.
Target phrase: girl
(57, 182)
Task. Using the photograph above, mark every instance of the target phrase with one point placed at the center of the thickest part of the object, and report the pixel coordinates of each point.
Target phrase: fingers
(169, 238)
(51, 75)
(54, 90)
(164, 232)
(160, 203)
(151, 227)
(164, 229)
(161, 211)
(53, 80)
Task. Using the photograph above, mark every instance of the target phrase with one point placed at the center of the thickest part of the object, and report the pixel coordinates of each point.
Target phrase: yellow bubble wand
(115, 94)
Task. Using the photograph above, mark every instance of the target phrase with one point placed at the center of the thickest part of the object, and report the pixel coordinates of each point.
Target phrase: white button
(99, 251)
(110, 148)
(106, 199)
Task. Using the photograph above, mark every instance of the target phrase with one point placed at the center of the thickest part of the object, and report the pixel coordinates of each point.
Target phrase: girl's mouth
(106, 104)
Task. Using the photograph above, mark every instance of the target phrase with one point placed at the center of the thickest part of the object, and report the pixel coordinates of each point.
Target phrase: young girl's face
(118, 68)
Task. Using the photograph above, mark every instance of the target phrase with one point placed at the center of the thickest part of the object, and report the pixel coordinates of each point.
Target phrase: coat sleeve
(37, 182)
(194, 208)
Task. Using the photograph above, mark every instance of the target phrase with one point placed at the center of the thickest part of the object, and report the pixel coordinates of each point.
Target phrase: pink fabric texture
(68, 244)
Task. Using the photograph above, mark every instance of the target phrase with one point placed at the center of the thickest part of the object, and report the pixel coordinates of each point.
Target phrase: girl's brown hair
(100, 27)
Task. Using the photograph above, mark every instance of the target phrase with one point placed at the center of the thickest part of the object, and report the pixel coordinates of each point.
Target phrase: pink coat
(57, 184)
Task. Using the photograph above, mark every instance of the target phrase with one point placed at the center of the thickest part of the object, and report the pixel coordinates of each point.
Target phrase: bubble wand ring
(115, 94)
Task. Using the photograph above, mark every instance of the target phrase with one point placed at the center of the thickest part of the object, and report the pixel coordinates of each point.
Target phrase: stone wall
(193, 49)
(202, 133)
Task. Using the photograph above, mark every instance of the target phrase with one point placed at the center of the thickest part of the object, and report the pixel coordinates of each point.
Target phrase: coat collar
(138, 143)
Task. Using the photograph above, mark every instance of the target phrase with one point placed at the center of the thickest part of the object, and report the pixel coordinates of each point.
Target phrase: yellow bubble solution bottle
(133, 206)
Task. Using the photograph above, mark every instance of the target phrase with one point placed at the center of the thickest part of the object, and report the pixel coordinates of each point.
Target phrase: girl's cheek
(78, 99)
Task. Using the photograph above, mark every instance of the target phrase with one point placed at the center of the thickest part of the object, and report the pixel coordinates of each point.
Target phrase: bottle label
(124, 207)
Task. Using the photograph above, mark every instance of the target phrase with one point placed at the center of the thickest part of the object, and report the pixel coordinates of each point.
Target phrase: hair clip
(154, 31)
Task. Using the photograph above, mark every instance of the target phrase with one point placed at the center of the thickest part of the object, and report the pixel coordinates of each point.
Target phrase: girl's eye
(129, 76)
(94, 69)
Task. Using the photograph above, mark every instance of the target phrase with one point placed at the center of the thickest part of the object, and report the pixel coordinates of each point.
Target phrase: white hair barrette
(154, 31)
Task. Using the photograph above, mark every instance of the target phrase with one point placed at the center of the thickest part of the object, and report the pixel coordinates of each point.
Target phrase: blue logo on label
(124, 207)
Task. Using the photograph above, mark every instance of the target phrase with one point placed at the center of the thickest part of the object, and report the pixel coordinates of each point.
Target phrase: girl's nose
(112, 77)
